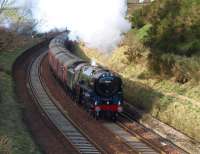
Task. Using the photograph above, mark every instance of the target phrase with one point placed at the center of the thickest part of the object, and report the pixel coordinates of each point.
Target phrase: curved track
(62, 123)
(44, 133)
(77, 138)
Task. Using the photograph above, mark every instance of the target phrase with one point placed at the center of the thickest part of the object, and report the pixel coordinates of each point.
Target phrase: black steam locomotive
(98, 89)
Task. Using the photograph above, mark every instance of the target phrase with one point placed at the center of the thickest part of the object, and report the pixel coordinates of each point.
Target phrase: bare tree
(2, 5)
(5, 4)
(5, 7)
(17, 18)
(25, 23)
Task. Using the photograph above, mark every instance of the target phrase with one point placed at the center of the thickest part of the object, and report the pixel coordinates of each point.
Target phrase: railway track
(129, 137)
(80, 141)
(141, 139)
(144, 145)
(148, 139)
(73, 134)
(131, 140)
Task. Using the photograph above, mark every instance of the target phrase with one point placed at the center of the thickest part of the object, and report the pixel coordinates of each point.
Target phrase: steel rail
(81, 143)
(142, 142)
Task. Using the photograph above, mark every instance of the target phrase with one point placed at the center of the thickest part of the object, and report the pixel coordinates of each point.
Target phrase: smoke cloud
(99, 23)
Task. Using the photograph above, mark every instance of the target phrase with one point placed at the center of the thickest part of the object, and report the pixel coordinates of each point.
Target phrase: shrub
(136, 52)
(6, 38)
(175, 25)
(137, 21)
(10, 40)
(180, 69)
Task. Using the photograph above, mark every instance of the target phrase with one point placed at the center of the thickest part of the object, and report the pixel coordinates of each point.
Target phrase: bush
(6, 38)
(175, 25)
(137, 21)
(136, 52)
(180, 69)
(10, 40)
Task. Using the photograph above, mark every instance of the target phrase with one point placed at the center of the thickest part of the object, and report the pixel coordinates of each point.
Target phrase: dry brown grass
(150, 92)
(10, 40)
(5, 145)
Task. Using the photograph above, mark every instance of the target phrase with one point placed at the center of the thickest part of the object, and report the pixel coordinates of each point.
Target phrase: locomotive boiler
(98, 89)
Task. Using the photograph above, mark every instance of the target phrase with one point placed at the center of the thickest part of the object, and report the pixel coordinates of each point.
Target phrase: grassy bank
(14, 136)
(171, 102)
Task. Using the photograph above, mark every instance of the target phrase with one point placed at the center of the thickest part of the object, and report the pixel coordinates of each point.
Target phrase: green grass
(7, 59)
(142, 33)
(14, 136)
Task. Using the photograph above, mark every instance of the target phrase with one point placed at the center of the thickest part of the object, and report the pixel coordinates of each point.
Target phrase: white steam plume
(99, 23)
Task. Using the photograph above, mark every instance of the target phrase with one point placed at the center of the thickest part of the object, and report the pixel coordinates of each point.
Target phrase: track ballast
(64, 125)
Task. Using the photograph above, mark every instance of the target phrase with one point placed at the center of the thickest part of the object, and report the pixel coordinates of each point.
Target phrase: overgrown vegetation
(171, 28)
(161, 97)
(15, 36)
(17, 32)
(10, 40)
(175, 25)
(160, 70)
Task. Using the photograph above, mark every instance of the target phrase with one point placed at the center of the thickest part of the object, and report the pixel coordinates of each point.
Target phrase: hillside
(160, 71)
(14, 135)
